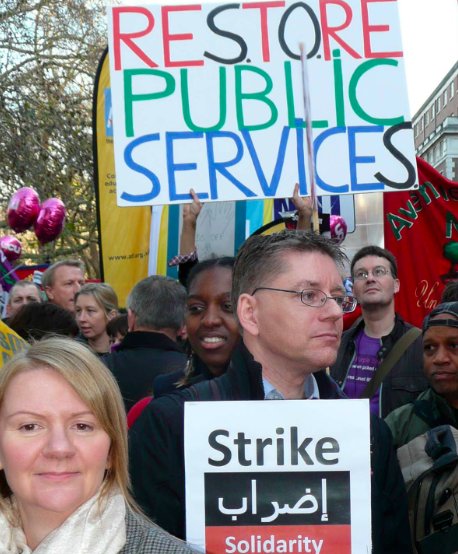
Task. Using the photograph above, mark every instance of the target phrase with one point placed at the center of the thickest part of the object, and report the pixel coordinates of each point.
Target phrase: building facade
(435, 127)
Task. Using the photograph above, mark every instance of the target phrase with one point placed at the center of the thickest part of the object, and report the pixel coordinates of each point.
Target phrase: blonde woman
(95, 305)
(63, 458)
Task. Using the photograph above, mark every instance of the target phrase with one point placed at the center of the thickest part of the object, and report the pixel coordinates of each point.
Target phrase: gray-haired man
(155, 315)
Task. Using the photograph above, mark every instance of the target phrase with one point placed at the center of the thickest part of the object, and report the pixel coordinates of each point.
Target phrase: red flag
(421, 230)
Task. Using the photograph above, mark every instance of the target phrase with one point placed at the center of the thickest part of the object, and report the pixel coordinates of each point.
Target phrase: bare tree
(49, 51)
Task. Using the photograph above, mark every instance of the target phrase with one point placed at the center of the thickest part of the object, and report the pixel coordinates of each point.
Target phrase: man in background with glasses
(365, 345)
(289, 299)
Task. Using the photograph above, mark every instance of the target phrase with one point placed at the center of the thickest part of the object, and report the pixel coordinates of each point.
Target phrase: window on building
(432, 112)
(452, 89)
(439, 104)
(445, 97)
(421, 124)
(426, 118)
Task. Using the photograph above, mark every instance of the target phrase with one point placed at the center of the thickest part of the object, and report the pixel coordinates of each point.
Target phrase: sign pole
(309, 135)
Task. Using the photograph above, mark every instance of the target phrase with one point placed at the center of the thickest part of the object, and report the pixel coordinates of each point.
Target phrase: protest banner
(210, 96)
(10, 343)
(421, 230)
(123, 234)
(278, 476)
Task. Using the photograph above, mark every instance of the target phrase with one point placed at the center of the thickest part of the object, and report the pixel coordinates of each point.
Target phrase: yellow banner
(123, 232)
(10, 343)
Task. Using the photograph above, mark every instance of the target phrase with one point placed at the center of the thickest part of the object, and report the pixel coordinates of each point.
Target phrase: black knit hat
(450, 308)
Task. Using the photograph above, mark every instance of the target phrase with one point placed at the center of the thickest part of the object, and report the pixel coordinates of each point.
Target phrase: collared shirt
(311, 391)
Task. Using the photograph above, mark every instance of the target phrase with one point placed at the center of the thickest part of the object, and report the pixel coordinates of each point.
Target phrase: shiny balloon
(11, 247)
(338, 227)
(23, 209)
(50, 220)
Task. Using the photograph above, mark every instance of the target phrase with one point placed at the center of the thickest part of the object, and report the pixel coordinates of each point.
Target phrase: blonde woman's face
(53, 449)
(90, 317)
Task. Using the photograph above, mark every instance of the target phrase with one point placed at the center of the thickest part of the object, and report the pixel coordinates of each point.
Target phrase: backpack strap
(387, 364)
(205, 390)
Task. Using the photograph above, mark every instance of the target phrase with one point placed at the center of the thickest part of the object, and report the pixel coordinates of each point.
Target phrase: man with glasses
(365, 345)
(288, 298)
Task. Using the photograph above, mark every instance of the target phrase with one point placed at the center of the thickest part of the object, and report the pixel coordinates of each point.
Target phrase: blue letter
(220, 167)
(317, 143)
(156, 188)
(268, 189)
(172, 167)
(354, 159)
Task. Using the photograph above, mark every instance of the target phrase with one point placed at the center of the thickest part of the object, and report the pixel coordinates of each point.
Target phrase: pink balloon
(23, 209)
(11, 247)
(50, 220)
(338, 227)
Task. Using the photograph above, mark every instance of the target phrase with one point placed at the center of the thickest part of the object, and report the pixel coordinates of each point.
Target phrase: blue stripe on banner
(173, 238)
(254, 215)
(240, 222)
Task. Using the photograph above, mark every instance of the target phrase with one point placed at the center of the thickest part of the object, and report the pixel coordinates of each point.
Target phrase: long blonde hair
(96, 387)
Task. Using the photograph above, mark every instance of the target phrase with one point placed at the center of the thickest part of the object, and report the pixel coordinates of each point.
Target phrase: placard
(278, 476)
(211, 96)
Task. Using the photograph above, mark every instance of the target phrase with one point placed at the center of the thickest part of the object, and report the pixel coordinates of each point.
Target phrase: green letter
(130, 97)
(393, 220)
(359, 72)
(450, 223)
(221, 97)
(260, 96)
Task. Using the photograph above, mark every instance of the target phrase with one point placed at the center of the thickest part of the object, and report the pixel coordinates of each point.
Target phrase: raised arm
(303, 206)
(191, 212)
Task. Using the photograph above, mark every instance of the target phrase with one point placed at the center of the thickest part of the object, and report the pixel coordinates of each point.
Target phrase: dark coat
(428, 411)
(157, 455)
(141, 357)
(171, 382)
(403, 383)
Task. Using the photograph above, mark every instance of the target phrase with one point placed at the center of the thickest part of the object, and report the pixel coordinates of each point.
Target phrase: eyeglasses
(377, 272)
(316, 298)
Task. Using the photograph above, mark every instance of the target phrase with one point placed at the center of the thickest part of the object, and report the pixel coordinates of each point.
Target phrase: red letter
(262, 7)
(167, 37)
(127, 37)
(367, 29)
(332, 31)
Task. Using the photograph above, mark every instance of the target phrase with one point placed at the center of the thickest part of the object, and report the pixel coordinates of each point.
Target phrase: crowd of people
(267, 324)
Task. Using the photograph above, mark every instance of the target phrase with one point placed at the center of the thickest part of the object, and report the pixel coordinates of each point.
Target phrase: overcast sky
(430, 41)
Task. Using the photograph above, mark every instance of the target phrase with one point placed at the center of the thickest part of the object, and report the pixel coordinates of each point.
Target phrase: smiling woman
(63, 458)
(211, 328)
